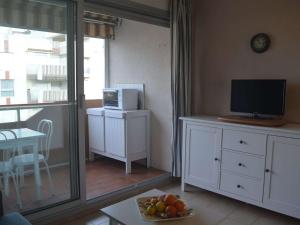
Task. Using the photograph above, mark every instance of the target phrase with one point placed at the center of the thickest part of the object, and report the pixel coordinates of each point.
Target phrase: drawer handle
(240, 164)
(267, 171)
(216, 159)
(242, 142)
(238, 186)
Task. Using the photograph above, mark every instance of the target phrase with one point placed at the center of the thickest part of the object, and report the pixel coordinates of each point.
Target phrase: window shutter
(42, 15)
(99, 25)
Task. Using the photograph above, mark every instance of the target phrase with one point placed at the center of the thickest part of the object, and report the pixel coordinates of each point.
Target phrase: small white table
(27, 137)
(126, 212)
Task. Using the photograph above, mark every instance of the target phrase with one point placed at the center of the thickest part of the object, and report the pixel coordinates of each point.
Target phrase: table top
(126, 212)
(21, 133)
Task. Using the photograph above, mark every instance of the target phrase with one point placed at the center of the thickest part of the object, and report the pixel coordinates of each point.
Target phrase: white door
(115, 136)
(96, 134)
(282, 175)
(202, 156)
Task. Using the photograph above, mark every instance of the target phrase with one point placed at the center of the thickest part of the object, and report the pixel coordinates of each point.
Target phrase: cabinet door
(96, 133)
(282, 175)
(202, 156)
(115, 136)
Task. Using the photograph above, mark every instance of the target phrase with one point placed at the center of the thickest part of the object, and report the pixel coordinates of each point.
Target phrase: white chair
(45, 126)
(9, 145)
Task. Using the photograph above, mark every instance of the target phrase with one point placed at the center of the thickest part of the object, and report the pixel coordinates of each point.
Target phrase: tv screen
(258, 96)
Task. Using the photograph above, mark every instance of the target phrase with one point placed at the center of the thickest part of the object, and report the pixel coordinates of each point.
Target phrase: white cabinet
(202, 153)
(121, 135)
(282, 176)
(257, 165)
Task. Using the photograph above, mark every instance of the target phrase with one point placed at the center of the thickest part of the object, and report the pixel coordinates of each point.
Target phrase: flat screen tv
(258, 97)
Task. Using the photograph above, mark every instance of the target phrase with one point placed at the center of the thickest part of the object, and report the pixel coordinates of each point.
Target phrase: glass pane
(94, 67)
(37, 108)
(43, 131)
(26, 114)
(41, 74)
(8, 116)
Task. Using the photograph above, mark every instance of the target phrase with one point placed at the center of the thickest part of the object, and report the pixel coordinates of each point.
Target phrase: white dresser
(257, 165)
(121, 135)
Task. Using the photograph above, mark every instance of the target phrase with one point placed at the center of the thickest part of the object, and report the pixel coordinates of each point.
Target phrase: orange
(171, 211)
(179, 205)
(170, 199)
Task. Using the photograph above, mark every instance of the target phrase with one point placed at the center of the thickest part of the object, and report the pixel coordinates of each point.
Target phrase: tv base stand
(253, 121)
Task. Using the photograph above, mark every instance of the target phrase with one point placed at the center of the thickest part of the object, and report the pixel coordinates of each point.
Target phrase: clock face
(260, 43)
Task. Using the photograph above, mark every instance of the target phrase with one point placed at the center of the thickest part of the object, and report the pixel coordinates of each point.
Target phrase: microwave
(120, 98)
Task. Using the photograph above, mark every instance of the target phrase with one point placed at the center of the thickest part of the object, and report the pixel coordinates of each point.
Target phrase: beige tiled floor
(211, 209)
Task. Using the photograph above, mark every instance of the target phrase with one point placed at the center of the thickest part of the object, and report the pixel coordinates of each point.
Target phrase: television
(258, 97)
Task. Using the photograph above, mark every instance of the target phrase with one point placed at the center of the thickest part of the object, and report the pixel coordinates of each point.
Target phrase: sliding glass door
(39, 113)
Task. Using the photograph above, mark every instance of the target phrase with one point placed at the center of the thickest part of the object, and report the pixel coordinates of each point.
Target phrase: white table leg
(148, 162)
(37, 174)
(91, 156)
(183, 186)
(128, 167)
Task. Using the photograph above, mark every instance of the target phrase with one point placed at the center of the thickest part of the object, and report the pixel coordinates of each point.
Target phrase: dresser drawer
(245, 187)
(245, 141)
(242, 163)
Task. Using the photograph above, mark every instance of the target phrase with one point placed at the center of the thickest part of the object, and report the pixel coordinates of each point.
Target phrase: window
(7, 88)
(41, 72)
(94, 67)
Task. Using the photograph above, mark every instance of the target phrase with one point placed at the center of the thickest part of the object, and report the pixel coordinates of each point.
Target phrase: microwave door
(111, 98)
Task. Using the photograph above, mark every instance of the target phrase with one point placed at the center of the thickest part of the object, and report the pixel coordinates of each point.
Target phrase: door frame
(133, 11)
(52, 213)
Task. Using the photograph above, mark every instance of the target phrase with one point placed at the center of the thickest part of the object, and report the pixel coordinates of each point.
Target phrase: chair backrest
(45, 126)
(10, 137)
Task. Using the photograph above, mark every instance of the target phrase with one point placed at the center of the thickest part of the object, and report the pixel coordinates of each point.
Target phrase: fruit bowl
(163, 208)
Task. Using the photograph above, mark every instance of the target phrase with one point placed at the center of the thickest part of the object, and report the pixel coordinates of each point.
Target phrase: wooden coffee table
(126, 212)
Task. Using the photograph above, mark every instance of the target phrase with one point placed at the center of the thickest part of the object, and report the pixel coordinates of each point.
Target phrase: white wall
(160, 4)
(141, 54)
(221, 44)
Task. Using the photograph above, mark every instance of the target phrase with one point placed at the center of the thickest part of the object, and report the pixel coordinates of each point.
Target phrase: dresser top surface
(289, 127)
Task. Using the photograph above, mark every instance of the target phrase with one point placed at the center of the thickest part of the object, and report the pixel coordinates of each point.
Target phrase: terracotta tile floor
(210, 209)
(103, 175)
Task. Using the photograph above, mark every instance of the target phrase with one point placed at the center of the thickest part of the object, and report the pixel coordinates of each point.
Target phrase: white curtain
(181, 74)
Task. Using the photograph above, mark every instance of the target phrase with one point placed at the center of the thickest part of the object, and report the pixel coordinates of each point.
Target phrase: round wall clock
(260, 42)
